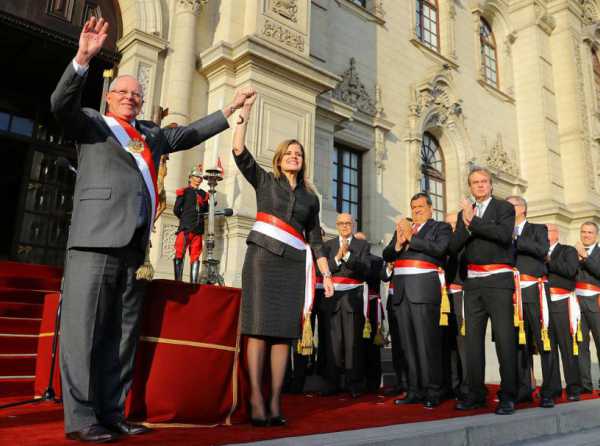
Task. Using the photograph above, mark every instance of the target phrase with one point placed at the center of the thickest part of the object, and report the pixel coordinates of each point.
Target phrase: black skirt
(272, 294)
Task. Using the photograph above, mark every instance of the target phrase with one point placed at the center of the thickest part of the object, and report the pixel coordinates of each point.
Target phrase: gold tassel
(521, 333)
(367, 329)
(575, 347)
(463, 329)
(378, 339)
(515, 315)
(579, 333)
(146, 271)
(445, 305)
(443, 320)
(305, 344)
(546, 339)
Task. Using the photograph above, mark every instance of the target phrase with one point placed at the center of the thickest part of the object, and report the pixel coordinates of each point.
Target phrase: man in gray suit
(113, 211)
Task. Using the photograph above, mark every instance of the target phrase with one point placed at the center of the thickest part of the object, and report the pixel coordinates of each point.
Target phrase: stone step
(525, 426)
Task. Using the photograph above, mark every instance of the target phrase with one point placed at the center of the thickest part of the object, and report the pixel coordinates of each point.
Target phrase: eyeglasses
(344, 223)
(134, 94)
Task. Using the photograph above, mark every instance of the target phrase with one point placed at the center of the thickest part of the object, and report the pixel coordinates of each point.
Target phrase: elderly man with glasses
(114, 208)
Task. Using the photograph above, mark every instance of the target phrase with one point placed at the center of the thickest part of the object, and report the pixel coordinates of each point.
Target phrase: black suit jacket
(562, 270)
(456, 269)
(357, 267)
(589, 271)
(430, 244)
(487, 240)
(531, 248)
(375, 264)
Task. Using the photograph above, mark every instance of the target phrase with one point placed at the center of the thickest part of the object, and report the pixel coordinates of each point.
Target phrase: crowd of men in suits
(446, 279)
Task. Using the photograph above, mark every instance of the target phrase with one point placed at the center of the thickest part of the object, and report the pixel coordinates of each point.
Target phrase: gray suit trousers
(101, 307)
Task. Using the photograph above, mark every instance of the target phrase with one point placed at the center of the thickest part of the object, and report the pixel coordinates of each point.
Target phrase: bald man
(343, 314)
(114, 206)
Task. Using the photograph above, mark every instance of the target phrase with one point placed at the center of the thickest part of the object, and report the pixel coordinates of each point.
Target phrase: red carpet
(41, 425)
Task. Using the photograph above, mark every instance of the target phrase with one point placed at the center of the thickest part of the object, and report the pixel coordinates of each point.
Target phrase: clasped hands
(403, 233)
(581, 251)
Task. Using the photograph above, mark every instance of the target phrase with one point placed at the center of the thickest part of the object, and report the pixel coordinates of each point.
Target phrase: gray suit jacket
(107, 191)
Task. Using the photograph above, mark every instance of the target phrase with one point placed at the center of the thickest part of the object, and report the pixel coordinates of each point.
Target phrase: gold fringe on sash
(579, 334)
(546, 339)
(378, 339)
(305, 344)
(575, 346)
(444, 308)
(463, 330)
(367, 329)
(146, 271)
(521, 332)
(516, 315)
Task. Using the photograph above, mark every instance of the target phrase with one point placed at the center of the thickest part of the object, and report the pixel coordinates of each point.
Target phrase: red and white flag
(220, 166)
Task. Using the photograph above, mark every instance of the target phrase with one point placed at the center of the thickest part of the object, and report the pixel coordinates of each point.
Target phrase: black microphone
(226, 212)
(61, 161)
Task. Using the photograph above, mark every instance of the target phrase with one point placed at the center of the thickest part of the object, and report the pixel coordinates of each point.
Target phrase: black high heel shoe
(258, 422)
(277, 421)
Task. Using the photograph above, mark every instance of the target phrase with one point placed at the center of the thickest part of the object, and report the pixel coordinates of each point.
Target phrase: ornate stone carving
(378, 8)
(353, 92)
(544, 20)
(286, 8)
(283, 35)
(169, 235)
(589, 14)
(583, 116)
(436, 96)
(499, 159)
(194, 6)
(380, 150)
(143, 76)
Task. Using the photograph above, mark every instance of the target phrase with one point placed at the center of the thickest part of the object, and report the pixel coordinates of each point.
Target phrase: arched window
(432, 174)
(489, 59)
(428, 23)
(596, 66)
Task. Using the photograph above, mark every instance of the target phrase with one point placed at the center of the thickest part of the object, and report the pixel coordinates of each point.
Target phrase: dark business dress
(273, 276)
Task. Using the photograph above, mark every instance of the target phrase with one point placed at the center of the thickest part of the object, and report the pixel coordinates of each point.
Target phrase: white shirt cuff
(80, 69)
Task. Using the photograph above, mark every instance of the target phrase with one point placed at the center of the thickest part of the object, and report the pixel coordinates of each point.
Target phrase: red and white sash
(558, 294)
(585, 289)
(476, 271)
(526, 281)
(456, 289)
(347, 283)
(406, 267)
(278, 229)
(125, 132)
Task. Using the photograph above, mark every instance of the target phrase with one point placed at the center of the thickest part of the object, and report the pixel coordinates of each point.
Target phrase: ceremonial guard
(420, 303)
(191, 205)
(564, 311)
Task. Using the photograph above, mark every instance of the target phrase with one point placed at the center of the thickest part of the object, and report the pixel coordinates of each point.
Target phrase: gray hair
(113, 83)
(519, 200)
(479, 169)
(590, 223)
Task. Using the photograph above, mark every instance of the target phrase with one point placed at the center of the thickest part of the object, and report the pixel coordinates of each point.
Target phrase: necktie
(415, 228)
(479, 210)
(516, 232)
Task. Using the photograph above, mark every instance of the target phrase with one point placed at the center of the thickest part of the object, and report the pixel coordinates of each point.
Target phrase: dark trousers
(560, 328)
(453, 353)
(342, 323)
(533, 343)
(372, 352)
(421, 339)
(101, 307)
(590, 322)
(300, 366)
(495, 304)
(398, 356)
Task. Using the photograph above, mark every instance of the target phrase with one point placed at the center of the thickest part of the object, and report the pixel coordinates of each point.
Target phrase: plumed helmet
(196, 171)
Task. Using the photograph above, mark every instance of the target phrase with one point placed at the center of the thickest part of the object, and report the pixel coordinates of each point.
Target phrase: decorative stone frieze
(169, 234)
(194, 6)
(499, 159)
(353, 92)
(286, 8)
(284, 35)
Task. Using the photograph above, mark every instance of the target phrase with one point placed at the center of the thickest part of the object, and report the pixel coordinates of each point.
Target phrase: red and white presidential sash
(527, 281)
(558, 294)
(585, 289)
(125, 134)
(406, 267)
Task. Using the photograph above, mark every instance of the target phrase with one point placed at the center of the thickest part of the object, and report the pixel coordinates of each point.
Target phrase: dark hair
(422, 195)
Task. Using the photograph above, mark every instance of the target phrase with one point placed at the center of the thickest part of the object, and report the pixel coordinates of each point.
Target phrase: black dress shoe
(277, 421)
(468, 404)
(259, 422)
(393, 391)
(96, 433)
(410, 399)
(546, 403)
(573, 397)
(125, 428)
(505, 408)
(430, 403)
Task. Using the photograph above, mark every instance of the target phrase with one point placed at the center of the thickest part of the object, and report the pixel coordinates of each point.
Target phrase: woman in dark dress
(276, 277)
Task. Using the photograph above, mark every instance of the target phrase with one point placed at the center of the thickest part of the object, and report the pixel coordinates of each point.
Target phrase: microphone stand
(50, 394)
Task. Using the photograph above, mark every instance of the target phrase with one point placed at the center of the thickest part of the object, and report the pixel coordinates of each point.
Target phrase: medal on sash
(135, 146)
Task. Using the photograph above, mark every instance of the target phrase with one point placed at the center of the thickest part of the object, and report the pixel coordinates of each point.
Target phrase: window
(596, 66)
(488, 53)
(346, 175)
(362, 3)
(427, 23)
(432, 174)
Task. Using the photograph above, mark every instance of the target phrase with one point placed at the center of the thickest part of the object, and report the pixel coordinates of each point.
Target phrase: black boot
(195, 272)
(178, 267)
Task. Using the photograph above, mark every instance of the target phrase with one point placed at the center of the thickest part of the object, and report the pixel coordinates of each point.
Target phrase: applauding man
(114, 208)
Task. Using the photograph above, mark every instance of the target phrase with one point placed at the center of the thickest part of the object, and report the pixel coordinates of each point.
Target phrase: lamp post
(210, 272)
